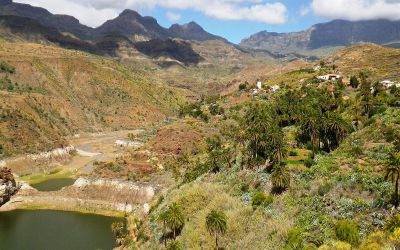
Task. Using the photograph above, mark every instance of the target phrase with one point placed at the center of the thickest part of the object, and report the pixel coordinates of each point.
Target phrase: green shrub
(242, 86)
(244, 187)
(309, 162)
(390, 134)
(293, 153)
(347, 231)
(295, 239)
(324, 189)
(260, 199)
(393, 223)
(174, 245)
(6, 68)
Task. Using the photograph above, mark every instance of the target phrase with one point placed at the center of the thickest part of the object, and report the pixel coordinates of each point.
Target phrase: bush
(174, 245)
(6, 68)
(309, 162)
(260, 199)
(295, 239)
(393, 223)
(324, 189)
(242, 86)
(347, 231)
(293, 153)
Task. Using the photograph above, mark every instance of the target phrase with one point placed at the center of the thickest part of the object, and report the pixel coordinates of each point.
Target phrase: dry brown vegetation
(58, 92)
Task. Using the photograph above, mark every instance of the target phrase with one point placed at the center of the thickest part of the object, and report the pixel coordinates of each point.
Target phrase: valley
(131, 135)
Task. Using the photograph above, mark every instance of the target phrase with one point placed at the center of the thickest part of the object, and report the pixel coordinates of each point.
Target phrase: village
(263, 86)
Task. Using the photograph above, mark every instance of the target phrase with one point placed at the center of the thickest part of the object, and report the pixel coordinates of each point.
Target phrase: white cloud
(94, 12)
(355, 10)
(173, 17)
(304, 10)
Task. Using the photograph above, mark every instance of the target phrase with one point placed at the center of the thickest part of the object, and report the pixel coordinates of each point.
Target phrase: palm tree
(280, 179)
(175, 217)
(216, 224)
(393, 174)
(163, 217)
(335, 129)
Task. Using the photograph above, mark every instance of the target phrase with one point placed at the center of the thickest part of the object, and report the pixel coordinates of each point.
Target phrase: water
(48, 230)
(53, 184)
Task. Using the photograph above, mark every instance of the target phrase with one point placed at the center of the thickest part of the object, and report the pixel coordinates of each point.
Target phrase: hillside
(55, 92)
(379, 62)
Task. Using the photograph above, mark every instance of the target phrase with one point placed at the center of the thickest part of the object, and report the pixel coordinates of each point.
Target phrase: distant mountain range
(337, 33)
(129, 23)
(143, 34)
(129, 29)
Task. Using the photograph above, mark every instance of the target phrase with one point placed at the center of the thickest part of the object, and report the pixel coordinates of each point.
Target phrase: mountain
(48, 93)
(63, 23)
(192, 31)
(134, 26)
(179, 50)
(337, 33)
(15, 28)
(129, 23)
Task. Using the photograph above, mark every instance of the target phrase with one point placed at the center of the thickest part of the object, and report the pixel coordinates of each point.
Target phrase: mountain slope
(63, 23)
(55, 92)
(336, 33)
(193, 31)
(15, 28)
(134, 26)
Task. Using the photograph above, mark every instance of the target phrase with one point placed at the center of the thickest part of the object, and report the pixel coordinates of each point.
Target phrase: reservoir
(53, 184)
(47, 229)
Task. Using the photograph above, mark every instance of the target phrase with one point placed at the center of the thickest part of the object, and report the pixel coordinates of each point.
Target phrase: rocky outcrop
(141, 193)
(8, 185)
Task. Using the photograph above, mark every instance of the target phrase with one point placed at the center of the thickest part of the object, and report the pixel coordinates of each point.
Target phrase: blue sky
(232, 19)
(236, 30)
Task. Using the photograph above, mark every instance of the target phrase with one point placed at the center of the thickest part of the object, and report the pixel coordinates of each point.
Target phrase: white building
(259, 84)
(387, 83)
(330, 77)
(275, 88)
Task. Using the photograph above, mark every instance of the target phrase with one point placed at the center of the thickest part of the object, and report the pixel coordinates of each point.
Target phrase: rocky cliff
(8, 186)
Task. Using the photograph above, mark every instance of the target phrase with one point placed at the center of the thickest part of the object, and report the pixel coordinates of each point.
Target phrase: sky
(231, 19)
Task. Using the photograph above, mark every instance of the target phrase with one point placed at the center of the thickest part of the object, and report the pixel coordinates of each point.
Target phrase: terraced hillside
(47, 93)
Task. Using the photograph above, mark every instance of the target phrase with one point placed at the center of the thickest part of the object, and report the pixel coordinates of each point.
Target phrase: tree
(310, 126)
(280, 179)
(264, 139)
(175, 217)
(393, 174)
(163, 217)
(216, 223)
(354, 83)
(335, 129)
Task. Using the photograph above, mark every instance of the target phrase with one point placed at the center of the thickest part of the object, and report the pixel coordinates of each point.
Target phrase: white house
(275, 88)
(387, 83)
(330, 77)
(259, 84)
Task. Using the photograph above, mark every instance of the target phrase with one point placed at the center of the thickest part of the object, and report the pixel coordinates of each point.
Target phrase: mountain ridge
(335, 33)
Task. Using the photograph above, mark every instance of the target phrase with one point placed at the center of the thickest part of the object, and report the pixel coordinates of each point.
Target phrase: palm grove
(253, 136)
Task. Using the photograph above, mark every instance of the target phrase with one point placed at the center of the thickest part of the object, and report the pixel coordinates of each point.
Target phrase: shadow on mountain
(178, 50)
(32, 31)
